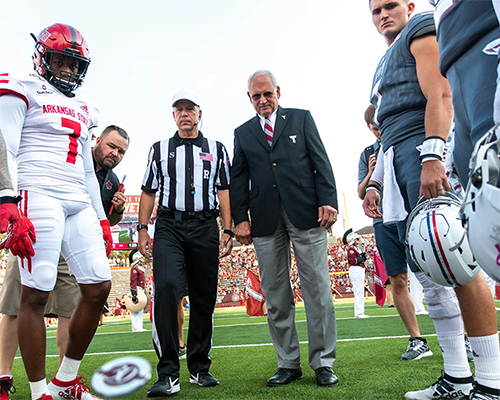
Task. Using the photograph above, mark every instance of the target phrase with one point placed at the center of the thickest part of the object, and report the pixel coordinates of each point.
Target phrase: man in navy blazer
(282, 175)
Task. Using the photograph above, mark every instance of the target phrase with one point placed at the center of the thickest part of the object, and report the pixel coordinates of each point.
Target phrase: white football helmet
(435, 237)
(482, 204)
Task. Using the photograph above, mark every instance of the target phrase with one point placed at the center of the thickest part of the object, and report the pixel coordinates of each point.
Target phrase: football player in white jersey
(47, 129)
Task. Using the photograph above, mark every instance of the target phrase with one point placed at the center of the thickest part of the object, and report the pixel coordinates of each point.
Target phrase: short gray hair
(263, 72)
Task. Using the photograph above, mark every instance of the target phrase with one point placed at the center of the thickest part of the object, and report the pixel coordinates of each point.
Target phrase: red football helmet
(66, 41)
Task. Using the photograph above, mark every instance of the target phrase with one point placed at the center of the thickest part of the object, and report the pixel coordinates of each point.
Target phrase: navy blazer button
(274, 164)
(274, 186)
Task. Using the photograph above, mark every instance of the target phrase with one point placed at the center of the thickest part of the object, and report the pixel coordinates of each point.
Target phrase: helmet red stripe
(441, 252)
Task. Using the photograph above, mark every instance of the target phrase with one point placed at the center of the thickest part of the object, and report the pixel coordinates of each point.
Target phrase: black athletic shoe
(164, 386)
(203, 379)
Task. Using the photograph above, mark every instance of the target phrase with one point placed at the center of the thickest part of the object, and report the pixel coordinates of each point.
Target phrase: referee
(188, 170)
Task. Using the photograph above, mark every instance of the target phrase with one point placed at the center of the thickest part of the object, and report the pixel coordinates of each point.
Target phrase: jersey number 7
(73, 138)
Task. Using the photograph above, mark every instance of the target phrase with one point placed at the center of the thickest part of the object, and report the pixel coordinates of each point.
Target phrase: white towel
(392, 203)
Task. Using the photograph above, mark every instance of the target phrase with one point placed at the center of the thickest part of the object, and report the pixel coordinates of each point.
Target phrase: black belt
(168, 212)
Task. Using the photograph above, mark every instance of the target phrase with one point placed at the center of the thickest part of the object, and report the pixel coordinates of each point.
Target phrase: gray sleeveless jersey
(396, 93)
(461, 24)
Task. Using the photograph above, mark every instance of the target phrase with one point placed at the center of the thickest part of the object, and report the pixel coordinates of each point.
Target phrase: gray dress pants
(310, 249)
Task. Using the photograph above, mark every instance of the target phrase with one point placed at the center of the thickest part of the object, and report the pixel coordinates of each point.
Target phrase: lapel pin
(293, 138)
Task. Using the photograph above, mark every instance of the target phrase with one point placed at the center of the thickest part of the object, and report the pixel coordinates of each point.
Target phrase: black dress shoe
(326, 377)
(284, 376)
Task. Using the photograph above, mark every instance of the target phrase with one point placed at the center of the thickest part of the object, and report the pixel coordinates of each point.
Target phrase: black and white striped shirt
(187, 172)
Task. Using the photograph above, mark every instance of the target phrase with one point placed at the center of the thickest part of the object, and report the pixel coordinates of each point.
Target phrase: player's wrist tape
(10, 199)
(373, 186)
(229, 232)
(432, 147)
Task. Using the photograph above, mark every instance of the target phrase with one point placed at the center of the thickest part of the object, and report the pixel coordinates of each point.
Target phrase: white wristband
(372, 188)
(433, 147)
(7, 192)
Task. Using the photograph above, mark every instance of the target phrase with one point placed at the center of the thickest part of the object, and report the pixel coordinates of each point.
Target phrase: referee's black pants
(195, 243)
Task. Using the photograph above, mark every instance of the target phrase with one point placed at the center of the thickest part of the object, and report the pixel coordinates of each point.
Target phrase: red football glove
(10, 220)
(106, 235)
(21, 233)
(23, 246)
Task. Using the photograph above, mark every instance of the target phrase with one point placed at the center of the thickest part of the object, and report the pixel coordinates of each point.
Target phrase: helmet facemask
(65, 81)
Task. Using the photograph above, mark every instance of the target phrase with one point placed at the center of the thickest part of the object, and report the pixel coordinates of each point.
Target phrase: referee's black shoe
(326, 377)
(203, 379)
(165, 386)
(284, 376)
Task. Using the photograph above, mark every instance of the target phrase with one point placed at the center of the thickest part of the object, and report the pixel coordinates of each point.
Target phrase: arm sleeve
(133, 278)
(222, 181)
(12, 115)
(91, 182)
(150, 180)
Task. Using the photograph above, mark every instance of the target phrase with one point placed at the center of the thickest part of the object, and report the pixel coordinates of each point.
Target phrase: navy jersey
(461, 24)
(396, 93)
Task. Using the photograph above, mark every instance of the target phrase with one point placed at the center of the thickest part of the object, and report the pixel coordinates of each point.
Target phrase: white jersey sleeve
(12, 114)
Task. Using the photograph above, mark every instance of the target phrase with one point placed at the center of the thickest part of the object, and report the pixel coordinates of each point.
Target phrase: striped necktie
(268, 131)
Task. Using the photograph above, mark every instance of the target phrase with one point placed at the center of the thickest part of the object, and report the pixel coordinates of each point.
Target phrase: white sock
(68, 369)
(38, 389)
(455, 356)
(449, 326)
(6, 376)
(487, 360)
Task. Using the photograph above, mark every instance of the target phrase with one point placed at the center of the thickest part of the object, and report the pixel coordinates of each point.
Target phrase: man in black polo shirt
(190, 172)
(108, 152)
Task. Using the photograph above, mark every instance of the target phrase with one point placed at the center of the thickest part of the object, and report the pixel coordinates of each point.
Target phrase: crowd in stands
(232, 269)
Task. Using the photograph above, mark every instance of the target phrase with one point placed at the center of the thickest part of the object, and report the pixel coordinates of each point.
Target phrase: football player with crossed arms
(47, 128)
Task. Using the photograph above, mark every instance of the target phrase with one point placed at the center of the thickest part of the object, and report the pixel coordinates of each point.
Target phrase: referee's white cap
(185, 94)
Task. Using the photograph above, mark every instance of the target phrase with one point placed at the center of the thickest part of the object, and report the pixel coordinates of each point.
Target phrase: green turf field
(368, 357)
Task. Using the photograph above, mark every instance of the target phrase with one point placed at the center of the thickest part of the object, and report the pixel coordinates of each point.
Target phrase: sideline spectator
(355, 256)
(137, 287)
